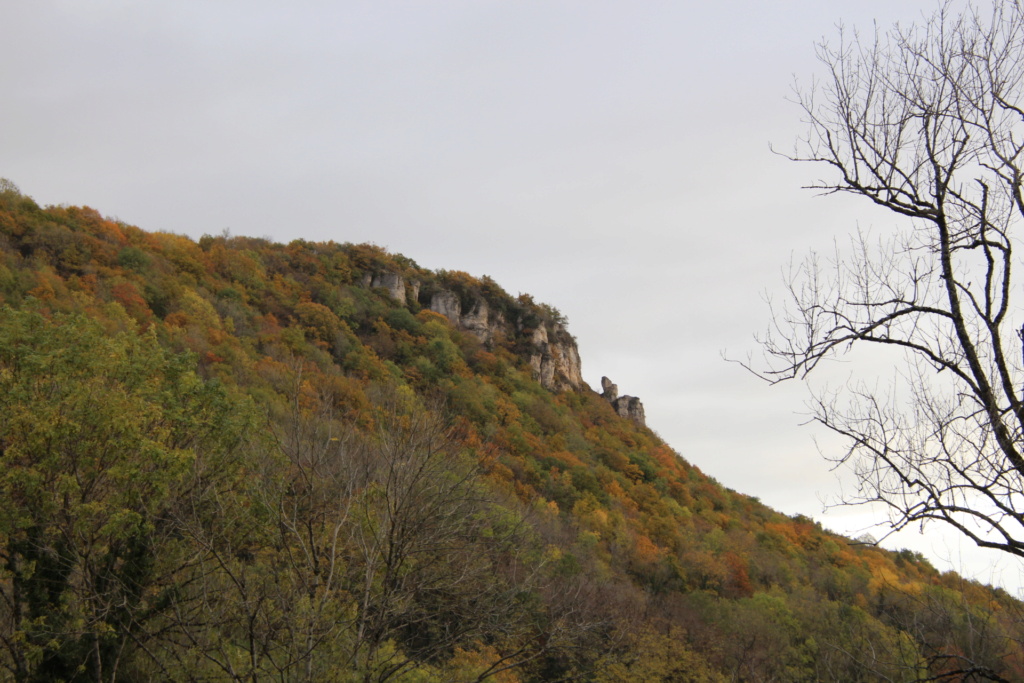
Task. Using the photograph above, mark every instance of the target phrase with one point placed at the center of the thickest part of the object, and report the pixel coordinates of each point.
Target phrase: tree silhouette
(926, 121)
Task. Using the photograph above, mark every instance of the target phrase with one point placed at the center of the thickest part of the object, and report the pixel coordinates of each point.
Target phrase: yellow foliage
(466, 666)
(654, 657)
(198, 310)
(426, 316)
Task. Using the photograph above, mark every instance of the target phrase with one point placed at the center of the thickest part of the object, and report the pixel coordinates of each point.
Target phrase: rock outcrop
(551, 351)
(626, 406)
(553, 358)
(393, 282)
(478, 321)
(536, 333)
(447, 304)
(481, 323)
(556, 362)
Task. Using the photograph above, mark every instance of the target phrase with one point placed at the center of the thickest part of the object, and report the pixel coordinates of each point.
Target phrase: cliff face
(400, 289)
(553, 356)
(547, 346)
(556, 360)
(493, 318)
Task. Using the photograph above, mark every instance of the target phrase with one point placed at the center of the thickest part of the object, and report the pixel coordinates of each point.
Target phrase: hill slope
(240, 460)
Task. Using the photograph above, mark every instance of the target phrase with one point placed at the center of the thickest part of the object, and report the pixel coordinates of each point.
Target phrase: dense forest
(236, 460)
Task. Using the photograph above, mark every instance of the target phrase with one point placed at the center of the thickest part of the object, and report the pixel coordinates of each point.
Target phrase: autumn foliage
(233, 459)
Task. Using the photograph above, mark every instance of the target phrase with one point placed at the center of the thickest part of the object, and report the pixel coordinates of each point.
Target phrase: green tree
(652, 656)
(98, 435)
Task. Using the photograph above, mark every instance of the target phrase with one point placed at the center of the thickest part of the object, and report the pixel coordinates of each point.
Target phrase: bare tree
(425, 546)
(926, 121)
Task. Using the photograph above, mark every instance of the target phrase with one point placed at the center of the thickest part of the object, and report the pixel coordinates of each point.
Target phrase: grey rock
(477, 321)
(556, 363)
(447, 304)
(625, 406)
(608, 390)
(393, 282)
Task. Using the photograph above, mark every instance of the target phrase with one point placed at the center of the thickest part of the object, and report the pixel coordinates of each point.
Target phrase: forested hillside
(236, 460)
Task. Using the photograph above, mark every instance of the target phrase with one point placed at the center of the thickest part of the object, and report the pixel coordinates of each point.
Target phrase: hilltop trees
(926, 121)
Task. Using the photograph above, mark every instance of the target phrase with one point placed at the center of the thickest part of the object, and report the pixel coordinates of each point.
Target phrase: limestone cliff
(536, 332)
(393, 282)
(556, 362)
(553, 356)
(447, 304)
(478, 321)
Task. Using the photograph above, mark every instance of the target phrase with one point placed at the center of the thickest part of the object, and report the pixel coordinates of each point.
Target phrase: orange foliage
(566, 458)
(645, 550)
(618, 494)
(126, 294)
(87, 283)
(500, 472)
(668, 459)
(427, 315)
(48, 287)
(176, 319)
(800, 534)
(485, 361)
(738, 584)
(211, 357)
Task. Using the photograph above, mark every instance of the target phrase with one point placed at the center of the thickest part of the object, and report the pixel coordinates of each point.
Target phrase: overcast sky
(610, 158)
